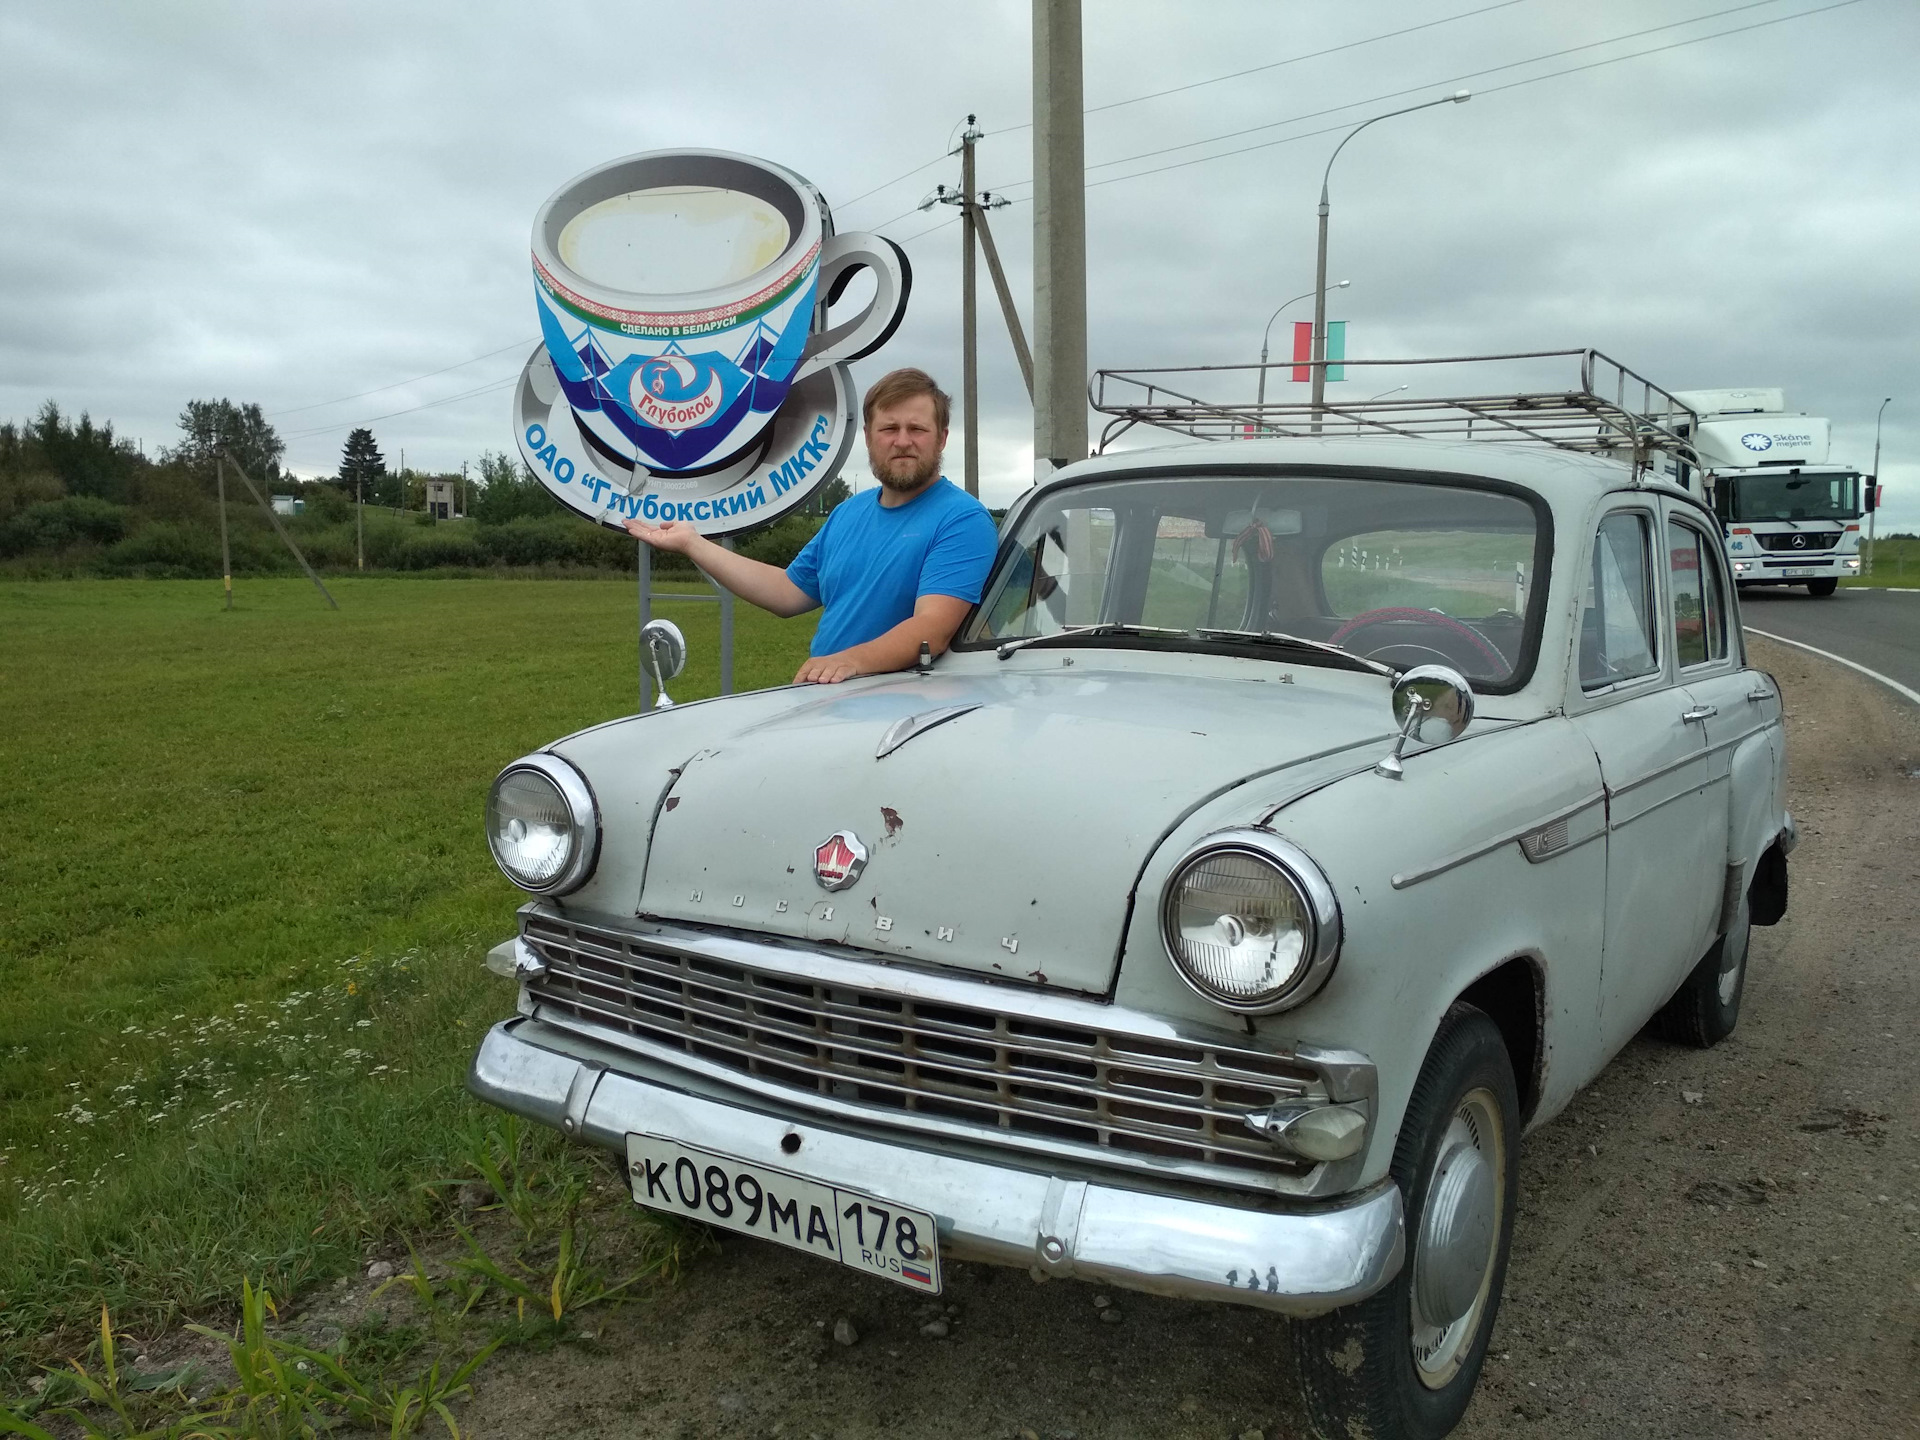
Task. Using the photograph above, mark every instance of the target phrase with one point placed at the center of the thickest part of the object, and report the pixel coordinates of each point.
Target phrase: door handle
(1699, 712)
(1759, 694)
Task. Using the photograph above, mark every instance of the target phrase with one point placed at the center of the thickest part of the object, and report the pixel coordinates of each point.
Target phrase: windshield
(1790, 496)
(1398, 571)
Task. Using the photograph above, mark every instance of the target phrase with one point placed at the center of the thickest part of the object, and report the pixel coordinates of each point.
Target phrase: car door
(1733, 708)
(1666, 838)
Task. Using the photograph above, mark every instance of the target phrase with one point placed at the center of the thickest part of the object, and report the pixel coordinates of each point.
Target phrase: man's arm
(752, 580)
(934, 619)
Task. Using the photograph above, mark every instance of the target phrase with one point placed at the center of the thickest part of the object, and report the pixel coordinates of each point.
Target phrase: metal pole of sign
(226, 560)
(647, 597)
(726, 632)
(645, 571)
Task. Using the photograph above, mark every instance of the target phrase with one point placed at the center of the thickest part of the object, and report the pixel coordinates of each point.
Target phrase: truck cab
(1790, 516)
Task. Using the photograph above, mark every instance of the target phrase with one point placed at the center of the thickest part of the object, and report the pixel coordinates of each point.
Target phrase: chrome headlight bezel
(1310, 885)
(583, 813)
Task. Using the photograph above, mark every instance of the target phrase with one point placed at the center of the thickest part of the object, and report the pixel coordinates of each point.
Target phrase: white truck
(1790, 516)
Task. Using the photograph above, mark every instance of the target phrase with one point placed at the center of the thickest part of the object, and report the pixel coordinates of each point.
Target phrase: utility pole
(359, 523)
(1874, 479)
(973, 227)
(969, 324)
(226, 559)
(1059, 240)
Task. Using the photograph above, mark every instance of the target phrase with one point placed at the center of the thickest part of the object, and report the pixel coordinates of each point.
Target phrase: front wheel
(1401, 1365)
(1818, 588)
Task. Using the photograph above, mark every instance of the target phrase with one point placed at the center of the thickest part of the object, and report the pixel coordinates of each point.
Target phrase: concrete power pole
(1059, 240)
(969, 324)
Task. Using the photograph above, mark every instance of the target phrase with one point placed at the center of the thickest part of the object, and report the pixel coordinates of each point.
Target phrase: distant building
(441, 499)
(289, 505)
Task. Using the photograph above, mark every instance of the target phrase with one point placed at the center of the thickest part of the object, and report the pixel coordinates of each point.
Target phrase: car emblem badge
(1799, 542)
(838, 861)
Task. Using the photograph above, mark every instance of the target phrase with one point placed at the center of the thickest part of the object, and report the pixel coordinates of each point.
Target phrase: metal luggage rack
(1610, 411)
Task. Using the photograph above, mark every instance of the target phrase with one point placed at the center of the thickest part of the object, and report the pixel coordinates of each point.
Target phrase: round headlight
(543, 826)
(1250, 921)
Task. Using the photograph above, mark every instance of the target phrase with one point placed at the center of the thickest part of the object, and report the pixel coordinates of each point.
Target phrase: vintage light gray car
(1294, 824)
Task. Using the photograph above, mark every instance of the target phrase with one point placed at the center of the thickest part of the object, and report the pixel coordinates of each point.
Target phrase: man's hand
(829, 669)
(682, 537)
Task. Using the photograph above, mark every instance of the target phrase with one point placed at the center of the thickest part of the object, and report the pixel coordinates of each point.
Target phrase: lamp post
(1267, 334)
(1874, 481)
(1391, 390)
(1459, 97)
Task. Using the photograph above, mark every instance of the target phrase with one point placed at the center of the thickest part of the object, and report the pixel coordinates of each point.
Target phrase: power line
(1279, 64)
(446, 400)
(1431, 84)
(322, 404)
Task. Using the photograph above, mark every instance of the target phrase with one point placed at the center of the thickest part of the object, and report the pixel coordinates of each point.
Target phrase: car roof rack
(1610, 410)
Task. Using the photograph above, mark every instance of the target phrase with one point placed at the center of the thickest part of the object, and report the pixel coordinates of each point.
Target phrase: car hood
(1006, 841)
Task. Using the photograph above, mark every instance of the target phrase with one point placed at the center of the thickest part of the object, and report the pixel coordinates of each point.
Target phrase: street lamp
(1393, 390)
(1267, 335)
(1459, 97)
(1875, 480)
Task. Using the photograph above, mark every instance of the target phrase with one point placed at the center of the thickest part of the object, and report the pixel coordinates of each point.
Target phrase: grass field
(247, 899)
(1896, 562)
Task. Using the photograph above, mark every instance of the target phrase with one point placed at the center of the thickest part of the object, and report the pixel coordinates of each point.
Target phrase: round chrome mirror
(663, 650)
(1442, 697)
(1433, 704)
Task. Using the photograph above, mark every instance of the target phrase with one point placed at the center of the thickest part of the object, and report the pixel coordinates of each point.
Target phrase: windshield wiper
(1077, 632)
(1298, 642)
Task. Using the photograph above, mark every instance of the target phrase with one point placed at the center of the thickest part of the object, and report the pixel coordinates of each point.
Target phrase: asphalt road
(1876, 628)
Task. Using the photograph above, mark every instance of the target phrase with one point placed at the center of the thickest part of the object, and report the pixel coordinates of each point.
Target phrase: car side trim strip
(1407, 878)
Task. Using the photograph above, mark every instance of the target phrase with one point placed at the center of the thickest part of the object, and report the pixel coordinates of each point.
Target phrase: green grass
(247, 901)
(1896, 563)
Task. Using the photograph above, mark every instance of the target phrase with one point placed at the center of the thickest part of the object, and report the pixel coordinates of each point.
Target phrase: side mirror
(663, 650)
(1872, 489)
(1433, 704)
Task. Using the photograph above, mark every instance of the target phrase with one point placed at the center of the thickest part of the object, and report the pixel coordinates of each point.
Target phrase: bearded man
(894, 568)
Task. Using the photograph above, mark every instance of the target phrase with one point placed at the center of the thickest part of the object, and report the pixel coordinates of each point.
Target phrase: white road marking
(1887, 680)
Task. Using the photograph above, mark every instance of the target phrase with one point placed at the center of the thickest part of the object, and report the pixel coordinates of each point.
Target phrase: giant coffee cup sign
(689, 369)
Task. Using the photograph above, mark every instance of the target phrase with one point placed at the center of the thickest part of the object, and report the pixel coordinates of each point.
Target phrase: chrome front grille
(1119, 1098)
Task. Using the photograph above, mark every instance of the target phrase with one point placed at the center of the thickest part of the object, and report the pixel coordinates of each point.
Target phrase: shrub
(444, 545)
(57, 524)
(167, 550)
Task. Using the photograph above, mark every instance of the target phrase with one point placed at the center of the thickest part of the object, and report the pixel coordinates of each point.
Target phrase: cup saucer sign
(688, 369)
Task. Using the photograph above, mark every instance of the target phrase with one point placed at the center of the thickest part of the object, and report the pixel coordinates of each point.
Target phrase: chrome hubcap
(1453, 1261)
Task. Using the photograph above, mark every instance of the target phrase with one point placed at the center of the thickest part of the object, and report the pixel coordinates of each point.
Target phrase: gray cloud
(298, 202)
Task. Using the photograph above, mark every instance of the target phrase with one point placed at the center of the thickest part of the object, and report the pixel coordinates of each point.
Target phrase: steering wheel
(1367, 618)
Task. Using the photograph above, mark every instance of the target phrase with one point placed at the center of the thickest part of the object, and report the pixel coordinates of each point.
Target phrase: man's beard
(900, 484)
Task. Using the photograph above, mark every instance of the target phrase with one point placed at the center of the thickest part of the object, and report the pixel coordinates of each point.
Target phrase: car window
(1468, 574)
(1406, 572)
(1195, 580)
(1617, 622)
(1058, 578)
(1699, 612)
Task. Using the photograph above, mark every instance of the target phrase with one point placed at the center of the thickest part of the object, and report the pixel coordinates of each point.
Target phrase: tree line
(78, 499)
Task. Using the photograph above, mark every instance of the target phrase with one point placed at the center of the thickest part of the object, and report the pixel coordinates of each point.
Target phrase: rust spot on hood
(893, 820)
(672, 800)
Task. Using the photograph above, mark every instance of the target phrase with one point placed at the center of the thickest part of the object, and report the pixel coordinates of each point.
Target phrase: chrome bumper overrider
(1301, 1261)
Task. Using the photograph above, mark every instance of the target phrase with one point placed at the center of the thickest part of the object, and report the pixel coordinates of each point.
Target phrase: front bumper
(1301, 1261)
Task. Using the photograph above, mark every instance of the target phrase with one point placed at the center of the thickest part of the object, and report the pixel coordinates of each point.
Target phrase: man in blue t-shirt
(895, 567)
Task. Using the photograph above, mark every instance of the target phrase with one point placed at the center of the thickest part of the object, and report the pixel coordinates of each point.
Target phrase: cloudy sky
(319, 206)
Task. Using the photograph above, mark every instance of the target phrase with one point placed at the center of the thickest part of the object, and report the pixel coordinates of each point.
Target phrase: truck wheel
(1706, 1007)
(1822, 587)
(1403, 1362)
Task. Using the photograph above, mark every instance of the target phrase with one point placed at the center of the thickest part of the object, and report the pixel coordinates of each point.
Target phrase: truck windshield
(1282, 567)
(1791, 496)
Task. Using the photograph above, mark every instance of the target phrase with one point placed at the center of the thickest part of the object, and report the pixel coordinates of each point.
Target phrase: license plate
(894, 1242)
(1792, 570)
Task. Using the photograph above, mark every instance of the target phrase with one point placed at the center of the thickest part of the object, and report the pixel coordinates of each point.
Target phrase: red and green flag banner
(1303, 349)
